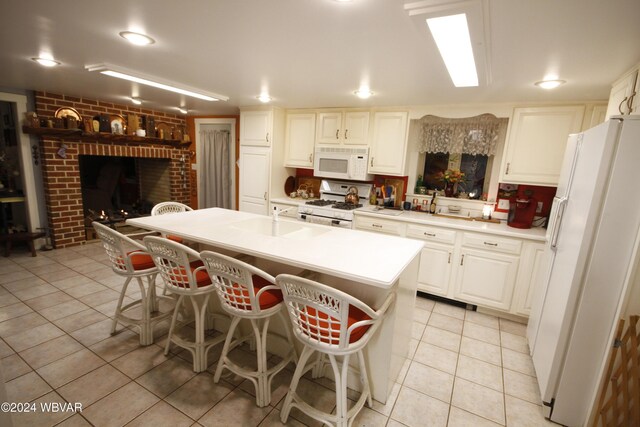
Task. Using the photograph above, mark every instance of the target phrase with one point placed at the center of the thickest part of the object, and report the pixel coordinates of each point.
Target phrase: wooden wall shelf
(102, 137)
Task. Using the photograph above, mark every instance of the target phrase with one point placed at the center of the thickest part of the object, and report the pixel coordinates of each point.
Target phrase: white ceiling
(315, 53)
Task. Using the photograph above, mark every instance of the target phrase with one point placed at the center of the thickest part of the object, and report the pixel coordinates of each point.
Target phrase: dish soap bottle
(373, 197)
(432, 207)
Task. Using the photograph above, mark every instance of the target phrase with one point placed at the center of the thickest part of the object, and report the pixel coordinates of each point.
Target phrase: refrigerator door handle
(562, 203)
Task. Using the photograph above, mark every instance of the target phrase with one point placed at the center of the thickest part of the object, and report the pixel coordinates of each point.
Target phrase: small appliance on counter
(522, 211)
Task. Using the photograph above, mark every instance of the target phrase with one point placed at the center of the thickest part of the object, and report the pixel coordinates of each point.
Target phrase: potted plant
(450, 177)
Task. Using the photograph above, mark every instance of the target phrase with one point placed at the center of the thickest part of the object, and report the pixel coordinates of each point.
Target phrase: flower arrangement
(450, 176)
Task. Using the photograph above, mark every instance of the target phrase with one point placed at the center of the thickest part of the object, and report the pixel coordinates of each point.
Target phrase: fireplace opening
(116, 188)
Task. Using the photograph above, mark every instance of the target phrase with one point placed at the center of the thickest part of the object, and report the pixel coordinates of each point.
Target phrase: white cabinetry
(536, 143)
(343, 127)
(255, 165)
(388, 146)
(256, 128)
(380, 225)
(533, 270)
(300, 140)
(623, 98)
(436, 258)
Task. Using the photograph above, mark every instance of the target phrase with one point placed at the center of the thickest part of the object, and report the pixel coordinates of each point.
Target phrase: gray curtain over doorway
(215, 178)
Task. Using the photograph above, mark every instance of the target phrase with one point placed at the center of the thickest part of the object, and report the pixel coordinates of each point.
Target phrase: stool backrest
(173, 261)
(119, 248)
(169, 207)
(321, 315)
(234, 282)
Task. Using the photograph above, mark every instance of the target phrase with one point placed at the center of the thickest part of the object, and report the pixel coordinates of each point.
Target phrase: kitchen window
(467, 144)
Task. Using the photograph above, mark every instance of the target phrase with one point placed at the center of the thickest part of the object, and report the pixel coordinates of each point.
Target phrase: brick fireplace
(61, 168)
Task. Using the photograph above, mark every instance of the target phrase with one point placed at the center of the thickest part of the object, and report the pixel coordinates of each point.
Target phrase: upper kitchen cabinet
(299, 140)
(623, 98)
(256, 128)
(343, 127)
(536, 143)
(388, 145)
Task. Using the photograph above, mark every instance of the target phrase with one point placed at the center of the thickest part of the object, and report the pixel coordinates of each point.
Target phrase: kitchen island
(365, 265)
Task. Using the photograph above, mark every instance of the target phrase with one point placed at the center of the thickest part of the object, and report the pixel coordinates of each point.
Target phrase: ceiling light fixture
(363, 93)
(264, 98)
(136, 101)
(134, 76)
(46, 62)
(451, 34)
(183, 110)
(138, 39)
(549, 84)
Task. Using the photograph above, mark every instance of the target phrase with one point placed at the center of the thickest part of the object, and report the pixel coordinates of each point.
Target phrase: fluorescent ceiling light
(136, 101)
(183, 110)
(133, 76)
(46, 62)
(363, 93)
(451, 34)
(264, 98)
(138, 39)
(549, 84)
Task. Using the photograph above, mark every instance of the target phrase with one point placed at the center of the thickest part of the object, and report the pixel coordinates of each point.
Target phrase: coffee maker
(522, 211)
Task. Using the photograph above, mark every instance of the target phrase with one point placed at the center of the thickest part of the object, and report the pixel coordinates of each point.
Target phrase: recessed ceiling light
(451, 34)
(549, 84)
(183, 110)
(134, 76)
(46, 62)
(138, 39)
(363, 93)
(136, 101)
(264, 98)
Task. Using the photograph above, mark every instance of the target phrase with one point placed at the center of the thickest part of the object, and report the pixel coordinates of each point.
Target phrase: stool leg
(340, 372)
(263, 389)
(287, 328)
(364, 378)
(225, 349)
(153, 296)
(119, 306)
(199, 311)
(173, 324)
(286, 407)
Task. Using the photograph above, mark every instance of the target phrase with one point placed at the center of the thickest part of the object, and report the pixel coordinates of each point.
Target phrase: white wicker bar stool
(185, 276)
(246, 292)
(129, 259)
(164, 208)
(336, 325)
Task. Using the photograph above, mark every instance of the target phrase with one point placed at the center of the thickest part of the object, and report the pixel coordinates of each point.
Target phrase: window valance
(471, 135)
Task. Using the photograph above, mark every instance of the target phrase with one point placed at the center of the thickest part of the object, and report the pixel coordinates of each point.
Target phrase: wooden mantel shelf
(102, 137)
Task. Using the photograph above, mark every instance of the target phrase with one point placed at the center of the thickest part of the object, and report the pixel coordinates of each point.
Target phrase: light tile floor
(465, 368)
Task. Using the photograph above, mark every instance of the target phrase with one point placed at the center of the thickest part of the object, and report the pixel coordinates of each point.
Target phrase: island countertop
(368, 258)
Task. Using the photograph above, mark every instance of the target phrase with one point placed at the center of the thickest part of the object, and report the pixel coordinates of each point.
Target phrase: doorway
(216, 165)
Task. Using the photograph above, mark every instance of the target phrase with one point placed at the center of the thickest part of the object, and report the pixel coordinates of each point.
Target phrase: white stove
(331, 208)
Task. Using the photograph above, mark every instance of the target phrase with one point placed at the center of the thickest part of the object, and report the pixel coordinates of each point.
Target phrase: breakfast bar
(365, 265)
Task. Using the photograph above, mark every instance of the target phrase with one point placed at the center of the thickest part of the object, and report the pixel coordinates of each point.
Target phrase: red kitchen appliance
(521, 212)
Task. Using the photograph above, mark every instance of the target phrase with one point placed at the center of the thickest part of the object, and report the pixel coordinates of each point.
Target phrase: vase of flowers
(450, 177)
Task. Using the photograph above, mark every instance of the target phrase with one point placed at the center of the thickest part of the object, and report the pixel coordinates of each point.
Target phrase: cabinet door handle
(372, 161)
(620, 105)
(338, 132)
(310, 157)
(267, 137)
(490, 244)
(507, 171)
(449, 260)
(376, 225)
(345, 133)
(462, 260)
(630, 102)
(265, 195)
(429, 234)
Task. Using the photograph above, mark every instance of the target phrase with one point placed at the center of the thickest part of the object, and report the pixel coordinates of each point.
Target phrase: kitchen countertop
(359, 256)
(422, 218)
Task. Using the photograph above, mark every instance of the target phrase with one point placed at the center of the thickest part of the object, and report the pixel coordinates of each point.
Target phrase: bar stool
(134, 263)
(164, 208)
(246, 292)
(185, 276)
(336, 325)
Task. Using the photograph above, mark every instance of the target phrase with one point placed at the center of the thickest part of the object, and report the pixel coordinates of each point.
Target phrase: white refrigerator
(592, 248)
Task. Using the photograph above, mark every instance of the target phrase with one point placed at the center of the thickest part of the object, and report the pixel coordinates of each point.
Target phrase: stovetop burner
(320, 202)
(346, 206)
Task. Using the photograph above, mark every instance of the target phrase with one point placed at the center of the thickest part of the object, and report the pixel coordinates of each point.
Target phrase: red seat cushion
(176, 239)
(268, 299)
(355, 315)
(178, 276)
(140, 260)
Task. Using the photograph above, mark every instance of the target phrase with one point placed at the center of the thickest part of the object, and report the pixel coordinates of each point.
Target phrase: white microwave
(342, 163)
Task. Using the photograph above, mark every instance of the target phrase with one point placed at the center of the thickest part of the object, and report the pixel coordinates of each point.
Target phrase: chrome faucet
(277, 212)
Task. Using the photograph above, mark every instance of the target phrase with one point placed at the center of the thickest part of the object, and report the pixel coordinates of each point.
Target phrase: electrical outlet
(539, 208)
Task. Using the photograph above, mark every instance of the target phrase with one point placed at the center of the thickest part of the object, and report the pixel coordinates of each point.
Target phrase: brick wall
(62, 174)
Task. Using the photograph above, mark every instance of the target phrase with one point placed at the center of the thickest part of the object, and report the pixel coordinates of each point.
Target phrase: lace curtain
(471, 135)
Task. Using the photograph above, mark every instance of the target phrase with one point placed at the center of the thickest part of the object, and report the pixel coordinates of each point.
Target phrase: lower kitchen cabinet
(532, 272)
(486, 278)
(380, 225)
(435, 269)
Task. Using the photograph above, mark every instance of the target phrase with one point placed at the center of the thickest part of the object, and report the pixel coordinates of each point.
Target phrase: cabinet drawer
(431, 234)
(380, 226)
(492, 243)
